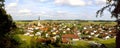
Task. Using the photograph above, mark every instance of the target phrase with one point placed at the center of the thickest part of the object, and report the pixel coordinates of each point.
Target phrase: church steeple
(39, 18)
(39, 21)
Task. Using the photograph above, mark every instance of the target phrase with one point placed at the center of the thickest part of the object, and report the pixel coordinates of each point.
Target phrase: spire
(39, 21)
(39, 18)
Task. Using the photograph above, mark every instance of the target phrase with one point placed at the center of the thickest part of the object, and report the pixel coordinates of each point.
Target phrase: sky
(56, 9)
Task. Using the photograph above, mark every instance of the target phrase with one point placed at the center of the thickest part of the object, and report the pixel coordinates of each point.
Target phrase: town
(68, 32)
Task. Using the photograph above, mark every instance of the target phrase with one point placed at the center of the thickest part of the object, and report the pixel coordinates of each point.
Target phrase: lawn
(24, 40)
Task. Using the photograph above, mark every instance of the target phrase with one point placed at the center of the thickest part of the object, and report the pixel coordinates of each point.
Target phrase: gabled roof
(74, 36)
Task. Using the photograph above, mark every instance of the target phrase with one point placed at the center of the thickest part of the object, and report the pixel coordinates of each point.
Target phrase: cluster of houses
(100, 31)
(68, 32)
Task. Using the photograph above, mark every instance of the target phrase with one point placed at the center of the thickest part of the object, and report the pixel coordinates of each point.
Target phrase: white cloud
(34, 8)
(89, 2)
(61, 11)
(24, 11)
(60, 1)
(100, 2)
(12, 5)
(71, 2)
(19, 12)
(77, 2)
(41, 0)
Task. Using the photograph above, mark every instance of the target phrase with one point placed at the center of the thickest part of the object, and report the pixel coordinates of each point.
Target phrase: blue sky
(56, 9)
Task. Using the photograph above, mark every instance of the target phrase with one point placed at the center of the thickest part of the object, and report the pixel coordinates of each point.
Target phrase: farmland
(65, 34)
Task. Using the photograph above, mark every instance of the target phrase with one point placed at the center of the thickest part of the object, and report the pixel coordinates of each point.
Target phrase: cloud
(31, 9)
(19, 12)
(70, 2)
(77, 2)
(24, 11)
(89, 2)
(11, 8)
(100, 2)
(12, 5)
(41, 0)
(80, 2)
(61, 11)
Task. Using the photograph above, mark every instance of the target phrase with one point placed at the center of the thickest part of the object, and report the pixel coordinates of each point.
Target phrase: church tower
(39, 21)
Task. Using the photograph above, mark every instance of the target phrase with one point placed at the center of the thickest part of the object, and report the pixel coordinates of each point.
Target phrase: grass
(110, 43)
(82, 44)
(25, 41)
(25, 38)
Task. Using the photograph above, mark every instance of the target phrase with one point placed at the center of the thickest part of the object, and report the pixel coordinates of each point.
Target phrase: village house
(69, 38)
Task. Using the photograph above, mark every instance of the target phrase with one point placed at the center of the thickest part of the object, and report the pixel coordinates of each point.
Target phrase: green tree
(114, 9)
(2, 3)
(6, 25)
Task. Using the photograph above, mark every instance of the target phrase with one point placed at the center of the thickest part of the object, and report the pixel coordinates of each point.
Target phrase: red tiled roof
(64, 40)
(70, 36)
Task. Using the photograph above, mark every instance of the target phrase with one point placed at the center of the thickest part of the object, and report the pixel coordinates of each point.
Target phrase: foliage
(2, 3)
(8, 42)
(6, 25)
(112, 6)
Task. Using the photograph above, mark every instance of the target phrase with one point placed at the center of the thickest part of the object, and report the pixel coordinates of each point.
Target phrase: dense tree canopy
(114, 8)
(6, 25)
(6, 22)
(2, 3)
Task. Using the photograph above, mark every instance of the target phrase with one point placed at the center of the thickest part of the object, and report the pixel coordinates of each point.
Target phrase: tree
(6, 25)
(2, 3)
(114, 9)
